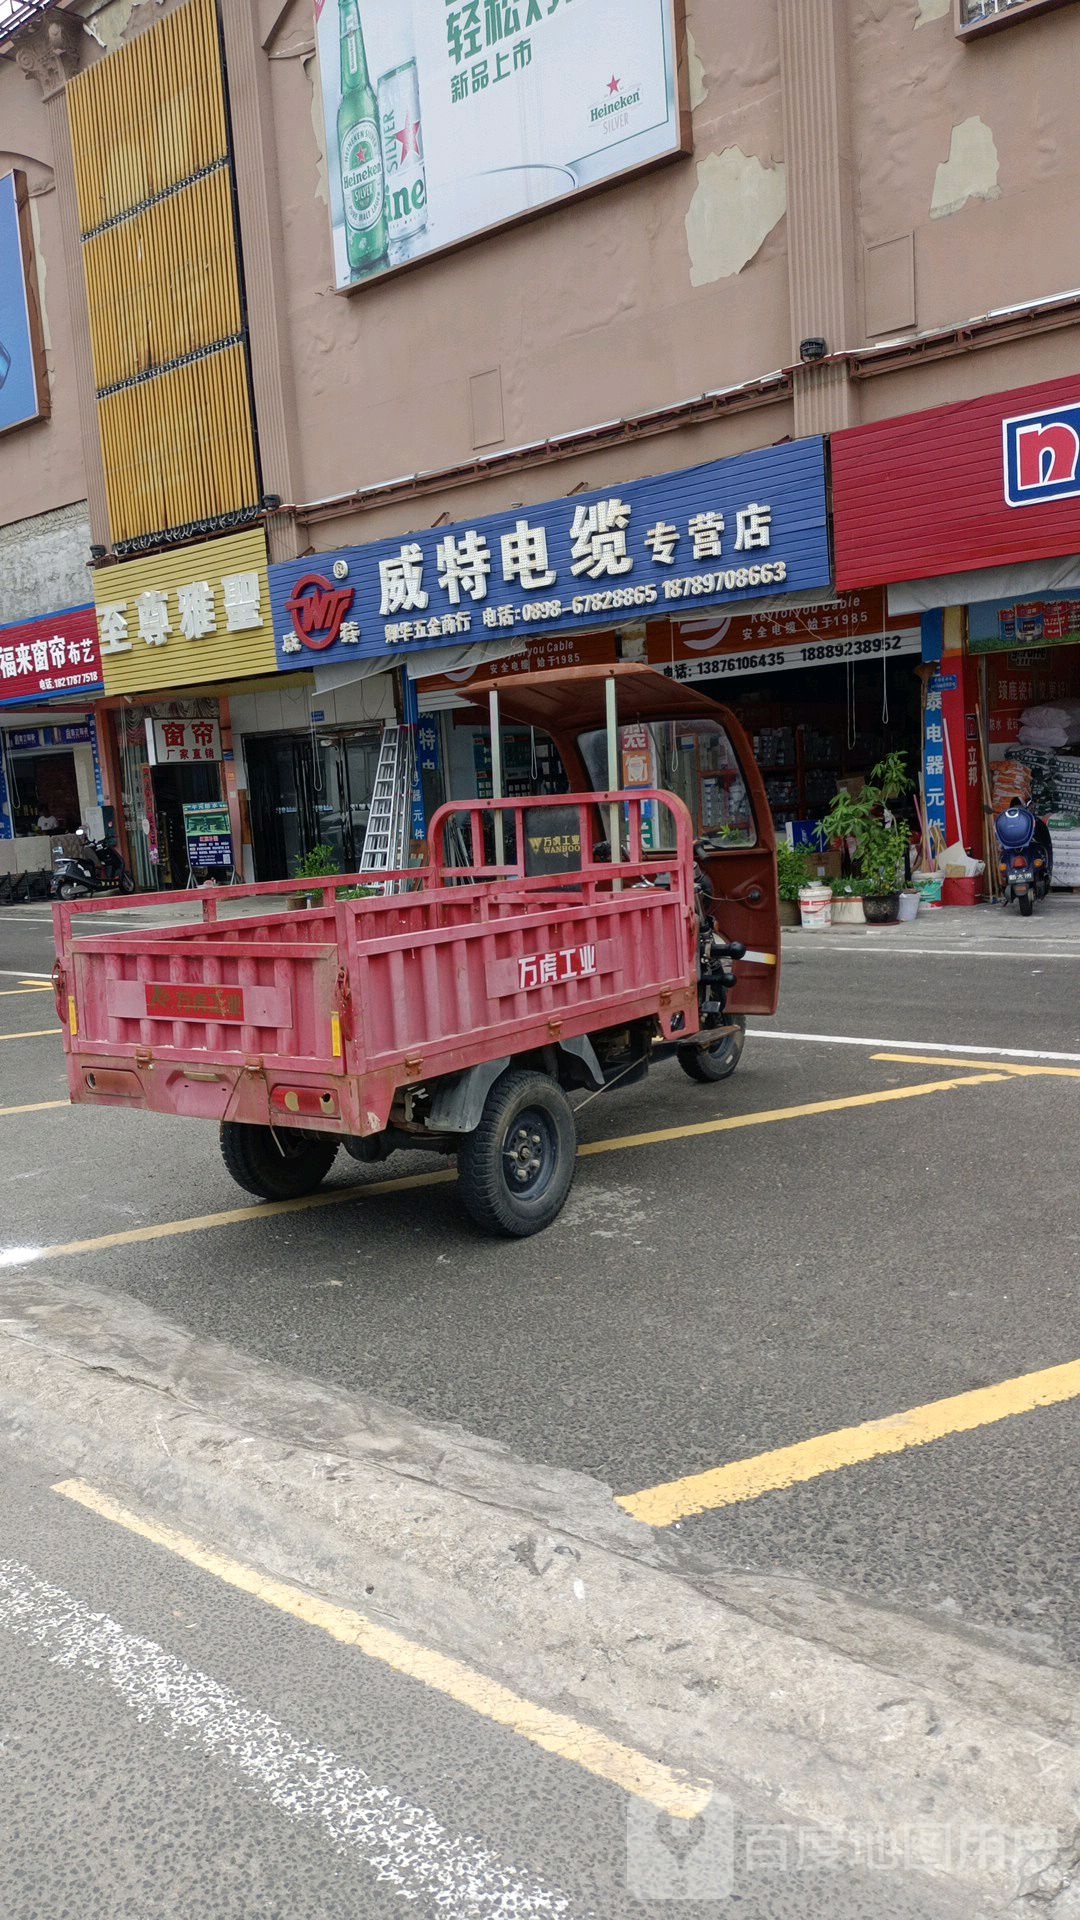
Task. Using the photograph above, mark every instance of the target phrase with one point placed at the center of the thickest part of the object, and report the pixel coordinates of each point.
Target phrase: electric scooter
(1025, 857)
(96, 868)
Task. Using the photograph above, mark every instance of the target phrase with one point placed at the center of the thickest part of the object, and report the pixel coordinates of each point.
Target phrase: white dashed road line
(399, 1843)
(931, 1046)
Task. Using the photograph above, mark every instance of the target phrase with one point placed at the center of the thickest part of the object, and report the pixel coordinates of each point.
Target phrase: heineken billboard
(447, 118)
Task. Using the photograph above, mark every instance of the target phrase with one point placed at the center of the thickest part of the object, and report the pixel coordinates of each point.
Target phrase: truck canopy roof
(571, 699)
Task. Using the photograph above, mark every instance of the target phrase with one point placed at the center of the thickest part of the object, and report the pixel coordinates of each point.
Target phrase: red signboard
(953, 489)
(545, 650)
(40, 659)
(194, 1003)
(841, 619)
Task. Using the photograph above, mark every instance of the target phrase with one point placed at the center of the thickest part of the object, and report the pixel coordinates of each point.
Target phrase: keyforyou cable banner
(445, 118)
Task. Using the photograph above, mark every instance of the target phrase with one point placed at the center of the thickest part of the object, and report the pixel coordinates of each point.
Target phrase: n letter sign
(1042, 456)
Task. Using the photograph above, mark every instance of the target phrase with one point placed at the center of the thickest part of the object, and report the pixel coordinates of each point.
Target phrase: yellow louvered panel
(164, 283)
(163, 279)
(148, 116)
(179, 448)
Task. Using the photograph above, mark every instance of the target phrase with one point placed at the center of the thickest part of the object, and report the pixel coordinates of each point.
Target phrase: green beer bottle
(363, 187)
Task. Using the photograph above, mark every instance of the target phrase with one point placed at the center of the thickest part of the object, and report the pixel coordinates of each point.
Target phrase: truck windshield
(693, 758)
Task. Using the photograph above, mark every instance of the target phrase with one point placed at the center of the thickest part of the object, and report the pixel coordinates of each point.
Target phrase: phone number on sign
(872, 647)
(618, 599)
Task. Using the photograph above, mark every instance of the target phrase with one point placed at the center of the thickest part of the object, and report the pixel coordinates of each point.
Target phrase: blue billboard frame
(22, 380)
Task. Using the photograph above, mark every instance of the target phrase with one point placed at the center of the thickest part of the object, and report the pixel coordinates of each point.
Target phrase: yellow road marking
(1003, 1066)
(14, 993)
(262, 1210)
(556, 1733)
(341, 1196)
(36, 1106)
(37, 1033)
(767, 1118)
(852, 1446)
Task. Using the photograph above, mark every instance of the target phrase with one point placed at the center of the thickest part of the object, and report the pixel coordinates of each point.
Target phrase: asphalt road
(703, 1300)
(172, 1747)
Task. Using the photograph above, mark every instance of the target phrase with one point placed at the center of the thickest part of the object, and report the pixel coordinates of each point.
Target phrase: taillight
(1020, 860)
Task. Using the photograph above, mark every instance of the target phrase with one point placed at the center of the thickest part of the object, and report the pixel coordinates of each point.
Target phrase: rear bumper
(197, 1092)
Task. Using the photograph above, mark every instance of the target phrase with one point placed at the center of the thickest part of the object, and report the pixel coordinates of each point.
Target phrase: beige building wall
(857, 174)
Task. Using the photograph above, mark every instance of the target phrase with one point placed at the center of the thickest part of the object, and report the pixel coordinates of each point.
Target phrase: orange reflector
(73, 1018)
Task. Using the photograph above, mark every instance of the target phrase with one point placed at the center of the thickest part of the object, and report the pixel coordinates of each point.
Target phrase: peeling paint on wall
(109, 24)
(699, 92)
(970, 172)
(735, 207)
(932, 10)
(322, 179)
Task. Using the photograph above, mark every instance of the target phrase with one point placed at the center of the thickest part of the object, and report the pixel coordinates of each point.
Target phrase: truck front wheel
(276, 1163)
(516, 1169)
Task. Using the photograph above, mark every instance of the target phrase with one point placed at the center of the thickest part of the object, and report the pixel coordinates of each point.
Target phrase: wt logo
(1042, 456)
(317, 610)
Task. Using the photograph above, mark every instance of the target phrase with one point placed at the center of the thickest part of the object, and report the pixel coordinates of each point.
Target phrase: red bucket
(961, 891)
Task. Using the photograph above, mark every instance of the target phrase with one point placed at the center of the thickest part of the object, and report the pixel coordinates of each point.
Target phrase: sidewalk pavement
(1055, 923)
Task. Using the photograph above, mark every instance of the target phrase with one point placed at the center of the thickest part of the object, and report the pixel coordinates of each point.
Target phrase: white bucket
(909, 906)
(815, 906)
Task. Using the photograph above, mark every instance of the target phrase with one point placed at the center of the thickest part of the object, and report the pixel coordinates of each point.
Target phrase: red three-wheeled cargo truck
(549, 944)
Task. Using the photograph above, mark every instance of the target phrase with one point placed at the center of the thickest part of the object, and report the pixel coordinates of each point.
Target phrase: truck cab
(675, 738)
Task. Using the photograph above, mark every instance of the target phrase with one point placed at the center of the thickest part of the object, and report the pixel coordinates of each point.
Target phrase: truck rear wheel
(276, 1163)
(720, 1061)
(516, 1169)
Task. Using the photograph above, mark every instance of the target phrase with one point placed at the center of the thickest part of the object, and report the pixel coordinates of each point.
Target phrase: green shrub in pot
(317, 863)
(880, 846)
(794, 869)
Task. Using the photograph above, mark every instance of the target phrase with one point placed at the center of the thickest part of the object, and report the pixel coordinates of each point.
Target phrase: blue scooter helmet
(1015, 827)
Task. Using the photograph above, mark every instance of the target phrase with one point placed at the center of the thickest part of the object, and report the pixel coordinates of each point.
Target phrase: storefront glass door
(310, 792)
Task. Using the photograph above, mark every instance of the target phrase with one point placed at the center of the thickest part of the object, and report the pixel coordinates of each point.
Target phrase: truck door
(741, 864)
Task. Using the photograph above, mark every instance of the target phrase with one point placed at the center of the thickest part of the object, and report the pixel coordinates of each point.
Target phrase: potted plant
(880, 840)
(848, 903)
(318, 863)
(794, 869)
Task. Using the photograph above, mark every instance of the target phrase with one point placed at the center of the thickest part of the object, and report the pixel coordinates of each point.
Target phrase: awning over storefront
(986, 583)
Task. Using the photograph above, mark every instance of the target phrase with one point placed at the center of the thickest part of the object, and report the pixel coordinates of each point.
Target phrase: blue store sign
(744, 529)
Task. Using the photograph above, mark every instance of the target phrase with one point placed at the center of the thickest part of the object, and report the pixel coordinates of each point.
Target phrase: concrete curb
(846, 1715)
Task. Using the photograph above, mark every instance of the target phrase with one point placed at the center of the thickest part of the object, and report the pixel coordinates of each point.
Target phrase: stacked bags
(1011, 781)
(1056, 725)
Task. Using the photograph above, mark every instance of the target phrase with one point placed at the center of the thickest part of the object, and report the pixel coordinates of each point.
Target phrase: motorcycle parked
(97, 868)
(1025, 857)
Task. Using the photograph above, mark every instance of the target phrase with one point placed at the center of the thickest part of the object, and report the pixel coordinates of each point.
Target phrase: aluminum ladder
(389, 821)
